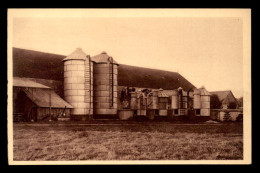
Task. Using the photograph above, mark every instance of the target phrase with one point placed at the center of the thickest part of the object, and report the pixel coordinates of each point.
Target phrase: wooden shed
(34, 101)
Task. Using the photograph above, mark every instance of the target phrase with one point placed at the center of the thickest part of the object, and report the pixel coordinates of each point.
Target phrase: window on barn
(197, 111)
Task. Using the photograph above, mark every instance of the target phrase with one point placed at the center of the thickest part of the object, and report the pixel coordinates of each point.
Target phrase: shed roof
(78, 54)
(43, 98)
(103, 57)
(25, 82)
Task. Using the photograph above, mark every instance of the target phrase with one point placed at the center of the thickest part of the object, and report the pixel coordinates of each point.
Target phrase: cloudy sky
(207, 51)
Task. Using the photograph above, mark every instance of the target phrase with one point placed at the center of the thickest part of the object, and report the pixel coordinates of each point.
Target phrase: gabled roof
(25, 82)
(78, 54)
(204, 92)
(41, 97)
(103, 57)
(221, 94)
(225, 96)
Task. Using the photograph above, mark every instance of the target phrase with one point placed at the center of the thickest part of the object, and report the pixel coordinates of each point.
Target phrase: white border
(245, 14)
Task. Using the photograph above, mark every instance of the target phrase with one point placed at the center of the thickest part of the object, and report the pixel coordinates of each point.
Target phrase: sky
(206, 51)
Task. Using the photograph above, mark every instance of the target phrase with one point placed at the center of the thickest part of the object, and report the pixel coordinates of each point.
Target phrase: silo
(141, 104)
(205, 102)
(175, 103)
(196, 99)
(105, 85)
(175, 100)
(78, 84)
(155, 100)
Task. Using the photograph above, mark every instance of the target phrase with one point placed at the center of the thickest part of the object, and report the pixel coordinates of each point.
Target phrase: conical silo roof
(78, 54)
(204, 92)
(103, 57)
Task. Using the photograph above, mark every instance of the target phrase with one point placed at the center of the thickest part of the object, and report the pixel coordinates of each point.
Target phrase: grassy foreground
(140, 141)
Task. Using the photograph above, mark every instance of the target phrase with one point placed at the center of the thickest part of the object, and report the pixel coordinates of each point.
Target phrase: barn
(226, 98)
(34, 101)
(92, 86)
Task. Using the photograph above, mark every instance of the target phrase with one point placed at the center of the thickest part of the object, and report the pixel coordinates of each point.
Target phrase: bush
(215, 102)
(232, 105)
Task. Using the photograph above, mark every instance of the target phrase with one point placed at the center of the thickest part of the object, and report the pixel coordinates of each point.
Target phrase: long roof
(34, 64)
(46, 98)
(26, 82)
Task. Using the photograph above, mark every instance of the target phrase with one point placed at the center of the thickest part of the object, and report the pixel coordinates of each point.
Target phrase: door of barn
(191, 114)
(34, 113)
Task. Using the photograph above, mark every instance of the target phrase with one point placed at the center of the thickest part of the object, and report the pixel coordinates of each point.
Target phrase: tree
(215, 102)
(240, 102)
(232, 105)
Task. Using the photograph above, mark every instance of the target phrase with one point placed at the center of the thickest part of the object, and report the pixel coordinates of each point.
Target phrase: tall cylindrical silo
(155, 100)
(205, 102)
(175, 100)
(196, 99)
(78, 83)
(105, 85)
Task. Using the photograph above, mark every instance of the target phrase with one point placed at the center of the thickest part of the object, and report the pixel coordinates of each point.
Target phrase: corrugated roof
(41, 97)
(103, 58)
(78, 54)
(25, 82)
(162, 94)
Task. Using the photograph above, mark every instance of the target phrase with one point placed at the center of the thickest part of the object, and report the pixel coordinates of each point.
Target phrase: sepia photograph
(129, 86)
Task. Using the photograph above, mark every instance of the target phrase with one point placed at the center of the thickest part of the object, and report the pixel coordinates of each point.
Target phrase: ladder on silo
(88, 83)
(111, 83)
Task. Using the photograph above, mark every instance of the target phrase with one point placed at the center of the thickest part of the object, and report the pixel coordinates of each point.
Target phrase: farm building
(99, 87)
(34, 101)
(226, 98)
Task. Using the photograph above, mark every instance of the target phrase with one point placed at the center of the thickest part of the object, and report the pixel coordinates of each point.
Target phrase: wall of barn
(43, 113)
(225, 114)
(22, 104)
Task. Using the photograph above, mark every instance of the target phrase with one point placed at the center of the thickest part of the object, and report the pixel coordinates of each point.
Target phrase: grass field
(128, 141)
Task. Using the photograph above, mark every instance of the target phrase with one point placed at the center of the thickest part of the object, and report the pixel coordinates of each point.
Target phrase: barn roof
(103, 57)
(41, 97)
(224, 96)
(26, 82)
(34, 64)
(221, 94)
